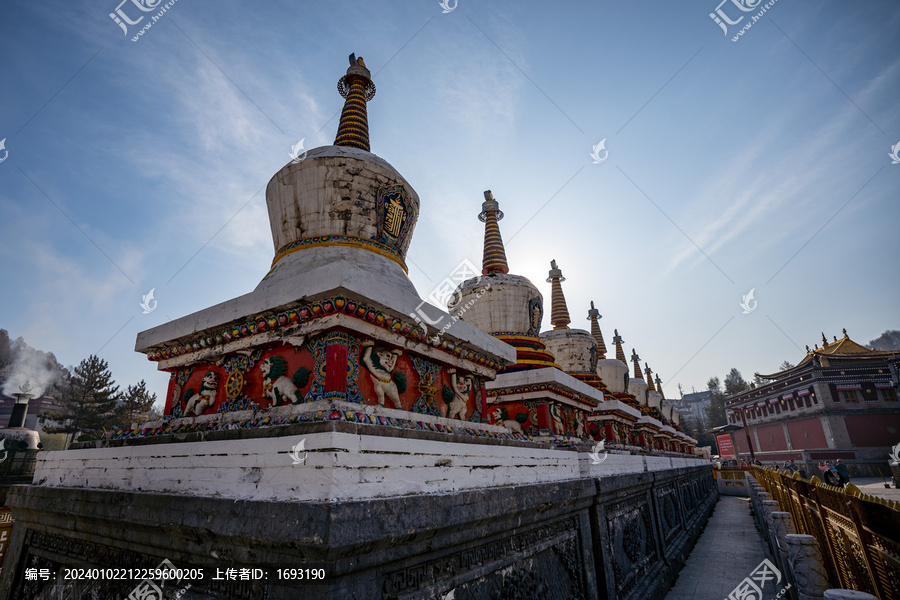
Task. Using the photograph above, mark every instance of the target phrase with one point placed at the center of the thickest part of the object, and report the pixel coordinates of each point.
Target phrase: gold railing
(858, 534)
(730, 473)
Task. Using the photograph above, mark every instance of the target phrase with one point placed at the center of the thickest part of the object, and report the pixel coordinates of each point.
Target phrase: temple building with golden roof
(839, 402)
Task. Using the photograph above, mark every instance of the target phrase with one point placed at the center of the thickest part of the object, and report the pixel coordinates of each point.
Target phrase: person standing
(843, 472)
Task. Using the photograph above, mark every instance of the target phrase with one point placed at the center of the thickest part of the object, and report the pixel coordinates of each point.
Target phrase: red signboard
(724, 443)
(6, 523)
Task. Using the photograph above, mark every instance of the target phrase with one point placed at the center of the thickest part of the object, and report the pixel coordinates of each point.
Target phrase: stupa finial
(618, 340)
(659, 387)
(594, 317)
(649, 373)
(637, 364)
(559, 312)
(356, 88)
(494, 260)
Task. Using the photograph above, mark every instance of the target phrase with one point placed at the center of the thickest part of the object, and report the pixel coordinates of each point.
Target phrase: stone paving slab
(727, 552)
(875, 487)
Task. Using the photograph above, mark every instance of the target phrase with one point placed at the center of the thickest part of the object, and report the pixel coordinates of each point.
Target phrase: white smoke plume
(30, 368)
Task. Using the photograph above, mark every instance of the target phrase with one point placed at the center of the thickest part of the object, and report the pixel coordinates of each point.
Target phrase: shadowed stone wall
(623, 536)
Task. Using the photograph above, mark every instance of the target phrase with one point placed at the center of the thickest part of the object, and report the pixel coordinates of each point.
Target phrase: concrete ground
(729, 550)
(875, 487)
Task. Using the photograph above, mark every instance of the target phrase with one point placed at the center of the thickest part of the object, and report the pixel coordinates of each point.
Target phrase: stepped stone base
(591, 535)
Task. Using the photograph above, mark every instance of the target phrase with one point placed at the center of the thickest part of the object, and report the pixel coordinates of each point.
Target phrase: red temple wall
(873, 430)
(740, 442)
(807, 434)
(771, 437)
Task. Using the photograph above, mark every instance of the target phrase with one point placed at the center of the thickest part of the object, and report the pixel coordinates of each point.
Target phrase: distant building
(694, 405)
(840, 402)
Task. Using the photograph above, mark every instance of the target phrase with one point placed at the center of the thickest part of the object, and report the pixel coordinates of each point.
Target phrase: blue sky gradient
(761, 163)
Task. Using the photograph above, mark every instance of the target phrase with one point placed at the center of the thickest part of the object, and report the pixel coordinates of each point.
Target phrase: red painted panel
(771, 437)
(280, 373)
(171, 395)
(807, 434)
(543, 416)
(335, 368)
(873, 430)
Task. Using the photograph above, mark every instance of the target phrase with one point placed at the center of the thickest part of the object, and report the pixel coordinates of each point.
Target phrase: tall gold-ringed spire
(659, 387)
(559, 312)
(494, 259)
(649, 373)
(637, 364)
(356, 88)
(618, 340)
(594, 317)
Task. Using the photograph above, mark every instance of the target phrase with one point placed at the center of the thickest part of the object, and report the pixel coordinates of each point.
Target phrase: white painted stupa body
(500, 303)
(575, 349)
(328, 239)
(614, 373)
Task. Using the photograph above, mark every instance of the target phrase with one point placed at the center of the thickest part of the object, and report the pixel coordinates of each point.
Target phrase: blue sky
(758, 164)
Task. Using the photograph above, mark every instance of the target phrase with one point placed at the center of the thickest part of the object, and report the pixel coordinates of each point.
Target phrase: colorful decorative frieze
(335, 365)
(317, 310)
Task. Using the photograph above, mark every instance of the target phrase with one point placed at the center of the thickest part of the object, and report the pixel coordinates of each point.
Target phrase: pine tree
(88, 399)
(735, 384)
(715, 412)
(135, 405)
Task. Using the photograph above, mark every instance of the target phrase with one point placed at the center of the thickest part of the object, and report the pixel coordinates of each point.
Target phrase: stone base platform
(620, 529)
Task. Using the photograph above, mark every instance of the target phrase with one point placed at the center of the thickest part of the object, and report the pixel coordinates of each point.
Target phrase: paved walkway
(875, 487)
(727, 552)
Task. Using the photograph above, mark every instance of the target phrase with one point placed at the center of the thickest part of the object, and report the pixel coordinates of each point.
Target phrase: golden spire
(559, 312)
(594, 316)
(637, 364)
(617, 340)
(356, 88)
(494, 260)
(649, 373)
(659, 387)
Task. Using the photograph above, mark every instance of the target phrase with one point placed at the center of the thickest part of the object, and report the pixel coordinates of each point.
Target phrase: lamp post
(747, 432)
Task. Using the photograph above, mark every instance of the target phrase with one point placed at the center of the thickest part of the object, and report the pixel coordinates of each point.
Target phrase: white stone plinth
(614, 374)
(335, 465)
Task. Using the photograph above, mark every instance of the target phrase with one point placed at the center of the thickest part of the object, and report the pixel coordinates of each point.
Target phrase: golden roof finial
(594, 317)
(824, 340)
(659, 387)
(559, 312)
(845, 332)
